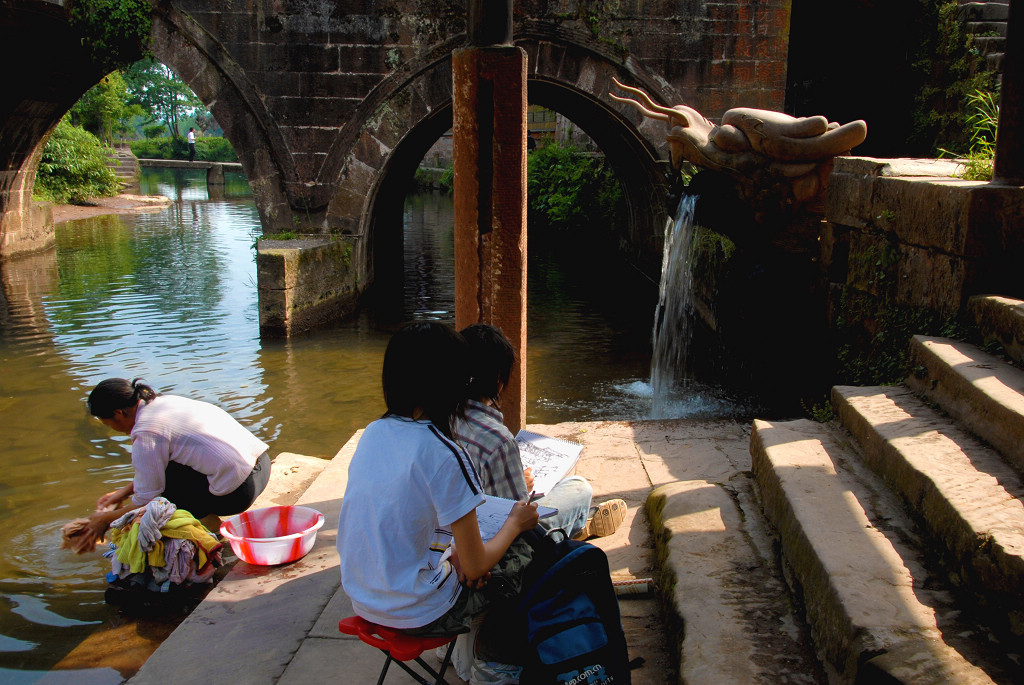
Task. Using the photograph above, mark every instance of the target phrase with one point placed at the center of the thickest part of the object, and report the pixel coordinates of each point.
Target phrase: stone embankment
(884, 547)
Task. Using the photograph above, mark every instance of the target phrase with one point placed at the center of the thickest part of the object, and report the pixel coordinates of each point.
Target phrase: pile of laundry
(158, 546)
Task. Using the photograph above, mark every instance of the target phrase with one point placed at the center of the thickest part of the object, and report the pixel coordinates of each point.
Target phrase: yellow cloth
(181, 525)
(128, 551)
(184, 525)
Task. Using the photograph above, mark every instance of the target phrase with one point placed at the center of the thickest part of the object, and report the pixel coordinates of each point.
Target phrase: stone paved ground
(278, 625)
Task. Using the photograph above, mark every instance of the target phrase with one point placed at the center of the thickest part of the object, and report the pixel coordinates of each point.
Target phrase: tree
(104, 109)
(161, 93)
(115, 31)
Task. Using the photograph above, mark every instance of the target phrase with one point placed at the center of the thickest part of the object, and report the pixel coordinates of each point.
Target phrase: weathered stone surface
(981, 391)
(732, 609)
(1001, 319)
(860, 596)
(903, 239)
(290, 475)
(306, 282)
(960, 491)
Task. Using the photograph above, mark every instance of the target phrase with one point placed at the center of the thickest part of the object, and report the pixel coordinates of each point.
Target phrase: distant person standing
(191, 145)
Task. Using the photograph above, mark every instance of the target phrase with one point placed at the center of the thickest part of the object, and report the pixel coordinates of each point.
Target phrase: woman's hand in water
(99, 522)
(112, 500)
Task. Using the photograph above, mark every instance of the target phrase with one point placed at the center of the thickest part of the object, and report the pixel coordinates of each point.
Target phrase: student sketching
(495, 452)
(190, 452)
(412, 491)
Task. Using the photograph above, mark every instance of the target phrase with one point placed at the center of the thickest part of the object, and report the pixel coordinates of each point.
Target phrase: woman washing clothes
(192, 453)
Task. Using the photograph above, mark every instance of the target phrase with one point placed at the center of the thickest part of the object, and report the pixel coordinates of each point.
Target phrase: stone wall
(316, 96)
(904, 245)
(25, 226)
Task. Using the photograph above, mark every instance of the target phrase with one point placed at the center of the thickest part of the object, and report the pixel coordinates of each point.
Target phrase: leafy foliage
(983, 124)
(207, 149)
(950, 68)
(104, 109)
(115, 31)
(73, 167)
(983, 120)
(571, 190)
(160, 92)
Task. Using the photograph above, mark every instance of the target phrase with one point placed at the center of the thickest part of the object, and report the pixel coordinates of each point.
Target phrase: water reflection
(171, 297)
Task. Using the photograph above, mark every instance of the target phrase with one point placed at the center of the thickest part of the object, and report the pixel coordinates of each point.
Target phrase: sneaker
(605, 518)
(494, 673)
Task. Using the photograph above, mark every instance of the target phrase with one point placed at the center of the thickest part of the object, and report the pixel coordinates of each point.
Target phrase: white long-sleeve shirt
(196, 434)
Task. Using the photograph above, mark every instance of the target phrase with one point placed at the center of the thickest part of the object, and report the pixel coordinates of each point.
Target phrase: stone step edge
(859, 595)
(290, 476)
(284, 601)
(982, 392)
(1001, 319)
(973, 515)
(702, 560)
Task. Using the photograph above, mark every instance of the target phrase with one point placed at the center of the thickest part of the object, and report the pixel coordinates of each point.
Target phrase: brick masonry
(324, 101)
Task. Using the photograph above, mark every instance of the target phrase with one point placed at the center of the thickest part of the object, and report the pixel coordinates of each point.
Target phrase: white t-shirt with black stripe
(407, 484)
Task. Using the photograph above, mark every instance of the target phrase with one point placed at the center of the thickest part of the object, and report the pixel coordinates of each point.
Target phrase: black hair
(425, 367)
(491, 357)
(117, 393)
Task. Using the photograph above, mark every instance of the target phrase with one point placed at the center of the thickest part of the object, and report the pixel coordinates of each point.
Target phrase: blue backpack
(568, 618)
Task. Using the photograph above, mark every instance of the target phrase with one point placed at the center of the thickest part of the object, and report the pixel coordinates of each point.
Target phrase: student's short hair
(117, 393)
(491, 357)
(425, 366)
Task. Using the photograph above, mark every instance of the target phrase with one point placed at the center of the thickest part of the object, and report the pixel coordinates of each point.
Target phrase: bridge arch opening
(635, 163)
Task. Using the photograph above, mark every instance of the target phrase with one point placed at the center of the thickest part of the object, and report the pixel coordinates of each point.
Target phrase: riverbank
(125, 203)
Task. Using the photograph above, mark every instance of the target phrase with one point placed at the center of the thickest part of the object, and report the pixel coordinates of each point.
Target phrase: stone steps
(738, 626)
(124, 164)
(965, 499)
(856, 565)
(902, 523)
(1000, 319)
(982, 392)
(986, 21)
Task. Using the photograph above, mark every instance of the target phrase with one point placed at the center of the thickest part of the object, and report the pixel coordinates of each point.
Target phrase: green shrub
(215, 150)
(448, 179)
(207, 149)
(949, 67)
(73, 167)
(570, 190)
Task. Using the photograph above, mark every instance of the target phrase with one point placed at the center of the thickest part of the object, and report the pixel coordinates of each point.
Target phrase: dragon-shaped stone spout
(779, 161)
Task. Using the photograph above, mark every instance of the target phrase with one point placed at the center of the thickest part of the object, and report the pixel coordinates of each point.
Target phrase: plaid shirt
(493, 450)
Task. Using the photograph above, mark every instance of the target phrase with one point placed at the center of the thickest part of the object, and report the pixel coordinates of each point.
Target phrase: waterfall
(671, 334)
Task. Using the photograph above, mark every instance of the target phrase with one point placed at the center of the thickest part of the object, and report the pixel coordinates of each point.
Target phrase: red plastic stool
(400, 647)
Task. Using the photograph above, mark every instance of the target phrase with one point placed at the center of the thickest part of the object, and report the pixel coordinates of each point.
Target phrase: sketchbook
(491, 515)
(551, 459)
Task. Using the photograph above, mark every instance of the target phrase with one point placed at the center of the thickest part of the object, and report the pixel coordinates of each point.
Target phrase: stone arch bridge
(331, 104)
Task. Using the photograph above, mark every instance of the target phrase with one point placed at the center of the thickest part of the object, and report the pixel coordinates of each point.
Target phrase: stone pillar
(1009, 161)
(215, 175)
(489, 150)
(215, 181)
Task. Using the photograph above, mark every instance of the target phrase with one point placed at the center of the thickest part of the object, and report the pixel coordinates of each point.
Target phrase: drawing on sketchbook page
(551, 459)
